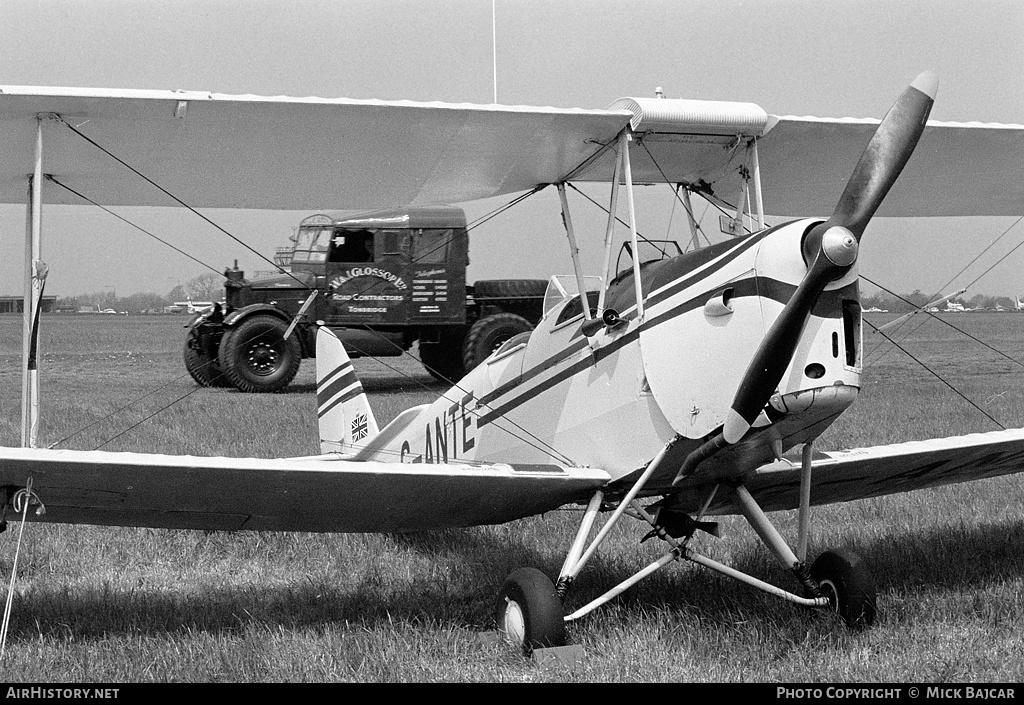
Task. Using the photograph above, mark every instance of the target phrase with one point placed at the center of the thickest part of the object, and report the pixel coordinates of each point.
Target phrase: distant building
(16, 304)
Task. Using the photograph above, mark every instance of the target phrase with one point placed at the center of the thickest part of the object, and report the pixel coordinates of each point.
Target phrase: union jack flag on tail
(346, 420)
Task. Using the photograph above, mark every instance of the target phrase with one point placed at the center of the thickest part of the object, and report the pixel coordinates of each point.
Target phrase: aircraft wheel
(843, 578)
(529, 611)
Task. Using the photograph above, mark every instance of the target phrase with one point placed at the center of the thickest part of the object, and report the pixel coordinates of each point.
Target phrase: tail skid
(346, 419)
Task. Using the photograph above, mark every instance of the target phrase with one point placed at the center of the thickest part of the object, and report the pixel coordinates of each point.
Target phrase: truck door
(438, 273)
(366, 281)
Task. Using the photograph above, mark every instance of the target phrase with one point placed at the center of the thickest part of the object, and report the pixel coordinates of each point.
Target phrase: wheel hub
(514, 624)
(828, 590)
(262, 358)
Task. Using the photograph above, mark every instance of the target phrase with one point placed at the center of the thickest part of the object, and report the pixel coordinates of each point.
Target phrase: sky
(829, 58)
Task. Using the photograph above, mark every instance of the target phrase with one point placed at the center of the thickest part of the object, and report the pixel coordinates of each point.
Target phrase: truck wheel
(488, 334)
(443, 359)
(255, 356)
(204, 369)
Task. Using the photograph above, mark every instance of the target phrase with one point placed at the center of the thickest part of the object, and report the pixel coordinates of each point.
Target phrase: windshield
(311, 244)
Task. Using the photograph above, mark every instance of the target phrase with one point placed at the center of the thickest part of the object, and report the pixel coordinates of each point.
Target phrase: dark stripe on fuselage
(764, 287)
(579, 366)
(685, 282)
(724, 258)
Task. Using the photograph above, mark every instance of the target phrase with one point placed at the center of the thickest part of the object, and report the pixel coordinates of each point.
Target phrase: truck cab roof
(408, 217)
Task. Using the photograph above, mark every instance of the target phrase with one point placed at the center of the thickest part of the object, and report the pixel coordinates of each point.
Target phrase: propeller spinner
(830, 248)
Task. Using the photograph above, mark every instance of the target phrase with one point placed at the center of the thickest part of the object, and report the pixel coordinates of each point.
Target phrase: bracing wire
(955, 277)
(126, 406)
(997, 262)
(941, 320)
(134, 225)
(21, 500)
(167, 193)
(710, 202)
(938, 377)
(535, 442)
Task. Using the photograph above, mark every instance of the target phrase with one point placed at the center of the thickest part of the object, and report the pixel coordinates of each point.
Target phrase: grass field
(118, 605)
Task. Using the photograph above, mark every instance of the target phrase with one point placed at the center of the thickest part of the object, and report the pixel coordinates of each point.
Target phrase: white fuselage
(615, 399)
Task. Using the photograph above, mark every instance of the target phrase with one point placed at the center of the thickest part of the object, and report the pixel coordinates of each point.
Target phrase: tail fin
(346, 420)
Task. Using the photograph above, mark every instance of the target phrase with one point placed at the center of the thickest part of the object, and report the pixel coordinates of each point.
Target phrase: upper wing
(957, 169)
(227, 151)
(315, 494)
(215, 150)
(843, 476)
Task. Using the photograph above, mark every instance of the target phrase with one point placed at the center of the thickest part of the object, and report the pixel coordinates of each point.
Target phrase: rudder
(345, 418)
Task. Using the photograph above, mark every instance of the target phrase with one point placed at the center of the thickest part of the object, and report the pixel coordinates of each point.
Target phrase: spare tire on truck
(255, 356)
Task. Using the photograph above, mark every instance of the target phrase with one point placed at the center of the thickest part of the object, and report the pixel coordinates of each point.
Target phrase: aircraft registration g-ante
(684, 387)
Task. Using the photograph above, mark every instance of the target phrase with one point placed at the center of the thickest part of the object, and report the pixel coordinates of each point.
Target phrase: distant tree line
(205, 287)
(918, 299)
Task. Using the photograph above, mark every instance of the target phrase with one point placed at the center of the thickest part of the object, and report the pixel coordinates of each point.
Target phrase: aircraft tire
(488, 334)
(255, 356)
(843, 578)
(204, 369)
(529, 612)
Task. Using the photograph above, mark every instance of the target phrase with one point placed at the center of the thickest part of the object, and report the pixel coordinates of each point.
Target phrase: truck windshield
(311, 244)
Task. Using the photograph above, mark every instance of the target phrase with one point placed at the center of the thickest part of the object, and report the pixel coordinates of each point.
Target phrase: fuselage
(614, 399)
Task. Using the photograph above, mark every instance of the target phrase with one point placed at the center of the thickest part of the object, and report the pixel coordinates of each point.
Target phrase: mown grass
(115, 605)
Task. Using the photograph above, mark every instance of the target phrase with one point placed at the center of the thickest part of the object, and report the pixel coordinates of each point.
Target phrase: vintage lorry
(383, 281)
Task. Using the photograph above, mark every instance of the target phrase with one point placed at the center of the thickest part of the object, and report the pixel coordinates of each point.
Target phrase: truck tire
(255, 356)
(488, 334)
(204, 369)
(443, 359)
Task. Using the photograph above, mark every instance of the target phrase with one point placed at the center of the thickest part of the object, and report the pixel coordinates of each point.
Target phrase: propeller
(831, 248)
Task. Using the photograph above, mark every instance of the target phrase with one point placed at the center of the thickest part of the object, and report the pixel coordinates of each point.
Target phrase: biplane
(670, 390)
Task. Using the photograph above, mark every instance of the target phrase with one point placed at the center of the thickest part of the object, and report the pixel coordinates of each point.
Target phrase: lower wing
(315, 494)
(843, 476)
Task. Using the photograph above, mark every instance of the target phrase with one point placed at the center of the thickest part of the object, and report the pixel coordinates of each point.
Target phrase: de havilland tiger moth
(669, 391)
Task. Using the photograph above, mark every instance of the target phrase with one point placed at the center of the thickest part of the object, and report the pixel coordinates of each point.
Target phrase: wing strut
(609, 231)
(627, 170)
(755, 163)
(30, 305)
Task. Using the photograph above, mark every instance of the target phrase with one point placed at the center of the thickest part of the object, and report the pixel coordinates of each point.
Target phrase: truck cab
(382, 281)
(387, 267)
